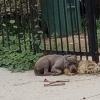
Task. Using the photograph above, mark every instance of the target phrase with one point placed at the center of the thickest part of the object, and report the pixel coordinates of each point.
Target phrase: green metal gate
(56, 15)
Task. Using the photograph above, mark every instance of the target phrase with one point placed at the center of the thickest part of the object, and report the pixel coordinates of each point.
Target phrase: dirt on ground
(27, 86)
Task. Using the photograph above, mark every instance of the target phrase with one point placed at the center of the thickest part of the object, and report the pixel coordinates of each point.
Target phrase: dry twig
(53, 84)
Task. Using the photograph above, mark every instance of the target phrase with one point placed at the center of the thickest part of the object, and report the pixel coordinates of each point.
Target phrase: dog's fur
(68, 72)
(55, 65)
(85, 67)
(88, 67)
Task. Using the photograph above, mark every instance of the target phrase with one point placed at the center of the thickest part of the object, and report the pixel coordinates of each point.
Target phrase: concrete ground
(27, 86)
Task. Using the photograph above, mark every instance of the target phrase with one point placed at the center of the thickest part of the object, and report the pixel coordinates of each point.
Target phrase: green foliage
(37, 39)
(12, 21)
(84, 23)
(10, 57)
(98, 23)
(98, 31)
(98, 37)
(16, 33)
(15, 61)
(7, 3)
(54, 42)
(12, 27)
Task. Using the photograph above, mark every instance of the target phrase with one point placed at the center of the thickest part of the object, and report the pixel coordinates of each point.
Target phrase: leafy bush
(98, 37)
(15, 61)
(13, 27)
(10, 57)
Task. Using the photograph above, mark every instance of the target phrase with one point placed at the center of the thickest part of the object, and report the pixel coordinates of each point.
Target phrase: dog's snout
(74, 70)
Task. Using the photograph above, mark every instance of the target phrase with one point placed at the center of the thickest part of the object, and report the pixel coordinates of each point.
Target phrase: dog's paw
(67, 72)
(71, 74)
(55, 74)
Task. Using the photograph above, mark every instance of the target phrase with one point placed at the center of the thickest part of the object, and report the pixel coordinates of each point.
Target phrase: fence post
(32, 17)
(92, 32)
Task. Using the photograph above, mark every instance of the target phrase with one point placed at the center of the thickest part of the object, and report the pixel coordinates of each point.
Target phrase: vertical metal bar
(43, 30)
(35, 12)
(31, 20)
(37, 15)
(32, 17)
(60, 25)
(72, 25)
(1, 22)
(22, 19)
(99, 9)
(6, 22)
(38, 23)
(84, 26)
(18, 26)
(77, 18)
(10, 8)
(10, 5)
(92, 33)
(64, 2)
(54, 26)
(49, 26)
(27, 9)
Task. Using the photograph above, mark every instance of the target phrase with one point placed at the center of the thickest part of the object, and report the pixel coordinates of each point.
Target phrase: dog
(84, 67)
(88, 67)
(68, 72)
(55, 65)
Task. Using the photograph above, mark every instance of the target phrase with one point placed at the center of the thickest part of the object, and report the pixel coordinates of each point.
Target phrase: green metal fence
(62, 12)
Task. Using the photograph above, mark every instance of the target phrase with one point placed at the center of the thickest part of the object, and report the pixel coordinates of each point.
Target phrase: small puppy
(55, 65)
(68, 72)
(88, 67)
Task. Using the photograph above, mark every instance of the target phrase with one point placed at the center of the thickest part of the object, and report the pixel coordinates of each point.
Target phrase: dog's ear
(66, 56)
(66, 61)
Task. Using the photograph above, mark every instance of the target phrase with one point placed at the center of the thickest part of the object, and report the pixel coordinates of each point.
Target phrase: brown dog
(85, 67)
(68, 72)
(88, 67)
(55, 64)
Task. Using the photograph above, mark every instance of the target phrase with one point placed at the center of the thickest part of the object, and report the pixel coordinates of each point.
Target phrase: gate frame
(92, 31)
